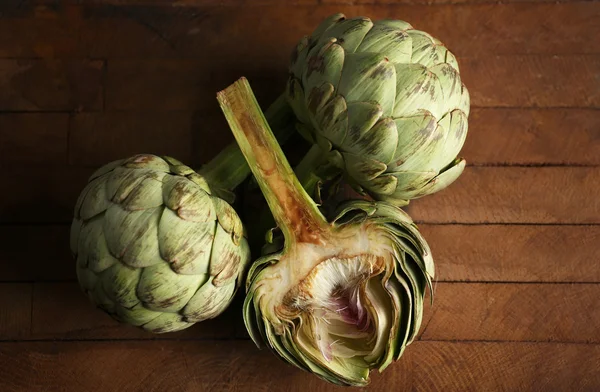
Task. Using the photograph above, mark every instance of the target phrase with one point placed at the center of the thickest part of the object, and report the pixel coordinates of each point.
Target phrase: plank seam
(331, 3)
(566, 342)
(418, 222)
(487, 223)
(104, 340)
(543, 282)
(518, 282)
(31, 310)
(239, 338)
(189, 110)
(533, 165)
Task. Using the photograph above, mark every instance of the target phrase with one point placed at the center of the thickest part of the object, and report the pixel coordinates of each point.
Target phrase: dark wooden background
(516, 239)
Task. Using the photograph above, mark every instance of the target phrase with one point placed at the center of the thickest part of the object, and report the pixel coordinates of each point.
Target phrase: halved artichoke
(338, 298)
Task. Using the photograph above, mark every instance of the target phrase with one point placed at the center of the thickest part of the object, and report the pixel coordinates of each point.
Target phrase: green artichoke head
(154, 246)
(386, 102)
(347, 299)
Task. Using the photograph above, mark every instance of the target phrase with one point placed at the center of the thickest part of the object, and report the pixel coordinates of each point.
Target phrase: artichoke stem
(307, 169)
(295, 212)
(229, 168)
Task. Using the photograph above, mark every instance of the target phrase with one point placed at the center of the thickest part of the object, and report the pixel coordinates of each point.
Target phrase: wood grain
(41, 195)
(564, 195)
(514, 312)
(492, 253)
(153, 366)
(533, 136)
(392, 2)
(514, 253)
(461, 311)
(180, 84)
(250, 3)
(473, 366)
(237, 366)
(496, 136)
(61, 311)
(35, 253)
(15, 310)
(143, 30)
(48, 84)
(79, 319)
(176, 85)
(548, 195)
(516, 304)
(45, 29)
(533, 81)
(98, 138)
(33, 139)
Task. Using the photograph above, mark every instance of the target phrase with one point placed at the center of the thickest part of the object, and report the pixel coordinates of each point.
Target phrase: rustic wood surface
(516, 239)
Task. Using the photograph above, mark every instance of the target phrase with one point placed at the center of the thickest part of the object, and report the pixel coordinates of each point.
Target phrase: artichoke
(155, 247)
(338, 298)
(385, 101)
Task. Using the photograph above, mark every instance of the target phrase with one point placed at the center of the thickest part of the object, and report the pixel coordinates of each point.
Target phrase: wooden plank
(155, 85)
(472, 30)
(461, 311)
(504, 253)
(514, 312)
(573, 80)
(249, 3)
(393, 2)
(478, 253)
(98, 138)
(533, 136)
(84, 321)
(203, 3)
(15, 310)
(181, 85)
(33, 138)
(160, 366)
(41, 195)
(39, 85)
(445, 366)
(194, 137)
(35, 253)
(566, 195)
(47, 30)
(162, 84)
(141, 28)
(497, 136)
(239, 366)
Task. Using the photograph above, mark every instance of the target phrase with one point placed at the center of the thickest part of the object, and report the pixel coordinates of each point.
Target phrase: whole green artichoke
(386, 101)
(338, 298)
(155, 247)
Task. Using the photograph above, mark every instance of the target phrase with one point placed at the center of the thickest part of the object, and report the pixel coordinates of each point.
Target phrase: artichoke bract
(155, 247)
(385, 101)
(339, 298)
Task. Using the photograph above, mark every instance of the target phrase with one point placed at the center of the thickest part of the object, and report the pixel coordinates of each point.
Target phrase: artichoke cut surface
(348, 303)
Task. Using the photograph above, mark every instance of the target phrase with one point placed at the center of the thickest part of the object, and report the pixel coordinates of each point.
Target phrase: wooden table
(516, 239)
